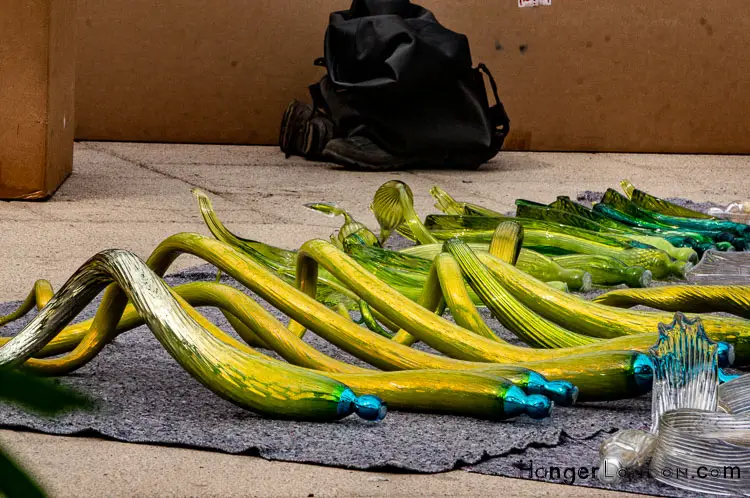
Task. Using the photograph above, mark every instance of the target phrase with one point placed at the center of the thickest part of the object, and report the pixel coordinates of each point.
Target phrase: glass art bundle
(375, 303)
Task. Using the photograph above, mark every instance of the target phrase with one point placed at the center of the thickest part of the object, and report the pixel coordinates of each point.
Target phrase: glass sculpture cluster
(376, 303)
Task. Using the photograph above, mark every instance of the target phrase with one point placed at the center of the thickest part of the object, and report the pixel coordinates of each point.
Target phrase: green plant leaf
(38, 394)
(14, 482)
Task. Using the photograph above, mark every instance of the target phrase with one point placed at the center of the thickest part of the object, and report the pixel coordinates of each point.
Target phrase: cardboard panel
(61, 93)
(669, 76)
(195, 70)
(36, 96)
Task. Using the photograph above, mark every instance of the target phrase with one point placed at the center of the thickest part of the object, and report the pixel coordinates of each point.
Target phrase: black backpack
(396, 76)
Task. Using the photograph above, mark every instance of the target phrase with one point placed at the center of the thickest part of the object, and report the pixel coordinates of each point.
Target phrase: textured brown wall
(669, 76)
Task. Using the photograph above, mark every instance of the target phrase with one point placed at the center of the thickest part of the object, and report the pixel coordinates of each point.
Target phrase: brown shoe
(293, 128)
(304, 132)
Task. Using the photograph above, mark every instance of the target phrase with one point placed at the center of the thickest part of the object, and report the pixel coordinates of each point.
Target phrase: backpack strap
(498, 116)
(319, 102)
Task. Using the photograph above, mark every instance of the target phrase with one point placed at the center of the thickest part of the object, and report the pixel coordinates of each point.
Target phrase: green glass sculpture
(606, 270)
(430, 302)
(559, 242)
(527, 209)
(682, 222)
(254, 382)
(535, 264)
(574, 348)
(734, 299)
(647, 201)
(719, 230)
(699, 243)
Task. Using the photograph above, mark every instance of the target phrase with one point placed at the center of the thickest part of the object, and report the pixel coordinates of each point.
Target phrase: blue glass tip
(643, 372)
(370, 408)
(561, 392)
(538, 406)
(516, 402)
(367, 406)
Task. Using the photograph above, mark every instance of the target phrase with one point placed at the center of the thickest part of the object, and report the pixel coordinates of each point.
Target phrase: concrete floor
(132, 196)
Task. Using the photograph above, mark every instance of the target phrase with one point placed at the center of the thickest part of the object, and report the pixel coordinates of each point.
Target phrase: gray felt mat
(144, 396)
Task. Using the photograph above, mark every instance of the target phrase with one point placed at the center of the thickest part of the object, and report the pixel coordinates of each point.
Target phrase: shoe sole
(337, 158)
(284, 131)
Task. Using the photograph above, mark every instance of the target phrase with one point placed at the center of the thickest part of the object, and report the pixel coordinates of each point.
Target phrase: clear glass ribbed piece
(721, 268)
(734, 396)
(686, 373)
(707, 451)
(686, 376)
